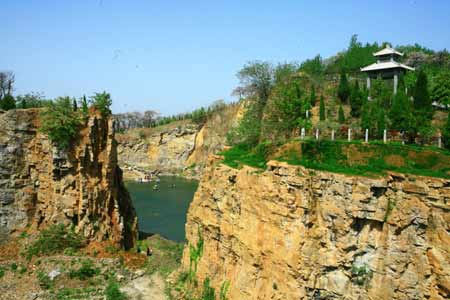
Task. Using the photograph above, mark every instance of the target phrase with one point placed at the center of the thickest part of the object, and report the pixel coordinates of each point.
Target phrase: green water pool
(163, 211)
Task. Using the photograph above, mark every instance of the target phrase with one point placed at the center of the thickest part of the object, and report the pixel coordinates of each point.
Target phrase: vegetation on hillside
(61, 119)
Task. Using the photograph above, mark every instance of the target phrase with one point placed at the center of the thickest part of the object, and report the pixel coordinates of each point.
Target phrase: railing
(366, 135)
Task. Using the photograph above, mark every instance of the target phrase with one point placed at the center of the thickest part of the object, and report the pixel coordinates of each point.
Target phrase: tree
(74, 104)
(400, 114)
(60, 122)
(312, 97)
(322, 109)
(313, 67)
(257, 79)
(31, 100)
(7, 102)
(381, 121)
(366, 120)
(446, 133)
(102, 102)
(356, 100)
(84, 106)
(440, 91)
(341, 115)
(343, 88)
(421, 96)
(6, 83)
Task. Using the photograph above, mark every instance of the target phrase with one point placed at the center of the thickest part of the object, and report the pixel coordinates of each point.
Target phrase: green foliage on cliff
(102, 102)
(60, 122)
(7, 102)
(242, 155)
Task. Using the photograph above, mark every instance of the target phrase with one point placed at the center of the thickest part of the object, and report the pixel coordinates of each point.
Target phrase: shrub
(86, 271)
(7, 102)
(60, 122)
(2, 272)
(112, 291)
(44, 280)
(361, 275)
(55, 239)
(208, 291)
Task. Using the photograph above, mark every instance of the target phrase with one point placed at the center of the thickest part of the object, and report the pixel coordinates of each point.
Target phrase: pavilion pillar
(395, 82)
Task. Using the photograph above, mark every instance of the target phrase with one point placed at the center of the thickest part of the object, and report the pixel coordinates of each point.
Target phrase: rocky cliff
(83, 187)
(294, 233)
(178, 148)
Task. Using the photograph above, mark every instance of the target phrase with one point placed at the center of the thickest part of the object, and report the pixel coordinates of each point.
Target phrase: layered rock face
(83, 187)
(294, 233)
(182, 149)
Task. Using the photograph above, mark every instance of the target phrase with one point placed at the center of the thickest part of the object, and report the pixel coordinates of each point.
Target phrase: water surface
(163, 211)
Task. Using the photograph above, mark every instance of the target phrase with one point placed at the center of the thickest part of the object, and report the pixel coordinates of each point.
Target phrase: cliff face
(294, 233)
(177, 148)
(83, 187)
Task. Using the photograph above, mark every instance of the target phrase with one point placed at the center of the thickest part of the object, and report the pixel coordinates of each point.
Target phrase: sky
(175, 56)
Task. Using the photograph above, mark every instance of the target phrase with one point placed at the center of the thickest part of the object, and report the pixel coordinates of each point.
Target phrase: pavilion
(386, 67)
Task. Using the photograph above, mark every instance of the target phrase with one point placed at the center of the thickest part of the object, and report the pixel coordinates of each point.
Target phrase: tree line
(279, 98)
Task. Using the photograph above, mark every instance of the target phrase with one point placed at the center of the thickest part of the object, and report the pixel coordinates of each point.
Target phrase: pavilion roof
(387, 51)
(385, 65)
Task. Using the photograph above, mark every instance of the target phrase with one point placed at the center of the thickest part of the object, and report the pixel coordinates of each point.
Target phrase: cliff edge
(294, 233)
(81, 187)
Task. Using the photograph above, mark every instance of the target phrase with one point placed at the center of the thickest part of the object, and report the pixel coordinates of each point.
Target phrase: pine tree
(446, 133)
(343, 88)
(421, 96)
(322, 109)
(381, 122)
(84, 106)
(400, 113)
(341, 115)
(74, 104)
(356, 100)
(366, 120)
(312, 98)
(7, 102)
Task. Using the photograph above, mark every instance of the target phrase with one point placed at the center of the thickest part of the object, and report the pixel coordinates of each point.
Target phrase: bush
(53, 240)
(60, 122)
(44, 280)
(2, 272)
(112, 291)
(86, 271)
(7, 103)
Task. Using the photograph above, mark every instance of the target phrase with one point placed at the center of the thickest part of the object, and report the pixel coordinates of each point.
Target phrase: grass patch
(242, 155)
(166, 255)
(54, 240)
(336, 157)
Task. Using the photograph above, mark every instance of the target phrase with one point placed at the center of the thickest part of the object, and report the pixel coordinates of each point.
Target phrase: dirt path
(146, 288)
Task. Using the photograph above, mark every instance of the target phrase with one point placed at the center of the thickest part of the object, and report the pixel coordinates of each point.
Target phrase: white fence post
(349, 135)
(317, 133)
(366, 136)
(303, 134)
(307, 114)
(439, 140)
(332, 134)
(385, 136)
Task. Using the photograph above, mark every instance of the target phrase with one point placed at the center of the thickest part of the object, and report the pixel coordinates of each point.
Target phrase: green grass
(166, 255)
(329, 156)
(241, 155)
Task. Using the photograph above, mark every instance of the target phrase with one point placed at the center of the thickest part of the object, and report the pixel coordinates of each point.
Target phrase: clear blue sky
(173, 56)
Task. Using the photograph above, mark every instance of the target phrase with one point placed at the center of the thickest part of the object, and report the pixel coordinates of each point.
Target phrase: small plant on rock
(361, 275)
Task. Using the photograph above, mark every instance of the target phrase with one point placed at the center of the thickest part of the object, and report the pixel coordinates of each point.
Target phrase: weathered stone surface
(289, 233)
(182, 149)
(40, 185)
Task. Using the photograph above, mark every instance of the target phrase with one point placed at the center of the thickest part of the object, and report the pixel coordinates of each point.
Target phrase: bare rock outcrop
(81, 187)
(180, 148)
(294, 233)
